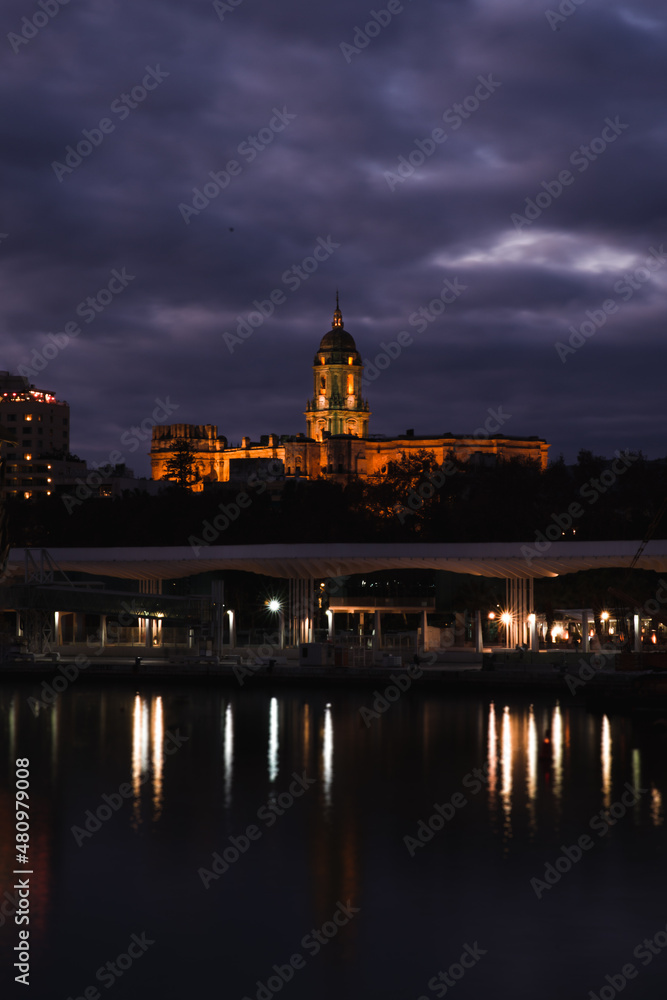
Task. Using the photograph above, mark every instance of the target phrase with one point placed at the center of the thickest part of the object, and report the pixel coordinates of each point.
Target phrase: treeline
(596, 498)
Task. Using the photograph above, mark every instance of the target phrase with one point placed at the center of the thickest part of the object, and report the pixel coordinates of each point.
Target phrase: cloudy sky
(507, 150)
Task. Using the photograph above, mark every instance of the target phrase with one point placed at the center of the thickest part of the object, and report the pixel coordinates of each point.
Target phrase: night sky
(306, 121)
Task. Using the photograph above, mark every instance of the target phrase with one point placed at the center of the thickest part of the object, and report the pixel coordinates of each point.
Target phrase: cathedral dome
(337, 346)
(338, 339)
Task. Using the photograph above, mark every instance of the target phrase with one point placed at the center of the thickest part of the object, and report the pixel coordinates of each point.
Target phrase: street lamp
(276, 607)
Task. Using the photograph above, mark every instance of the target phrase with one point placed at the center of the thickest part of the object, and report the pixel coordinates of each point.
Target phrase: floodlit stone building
(337, 443)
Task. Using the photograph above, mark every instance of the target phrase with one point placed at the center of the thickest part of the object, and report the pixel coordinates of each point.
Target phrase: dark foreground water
(186, 882)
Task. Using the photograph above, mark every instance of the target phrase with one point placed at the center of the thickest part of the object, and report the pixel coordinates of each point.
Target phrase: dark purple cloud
(225, 90)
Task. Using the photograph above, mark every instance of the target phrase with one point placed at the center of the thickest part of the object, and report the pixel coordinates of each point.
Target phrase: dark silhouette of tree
(180, 467)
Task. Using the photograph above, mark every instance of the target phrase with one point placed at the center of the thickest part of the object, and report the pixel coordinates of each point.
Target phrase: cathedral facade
(337, 444)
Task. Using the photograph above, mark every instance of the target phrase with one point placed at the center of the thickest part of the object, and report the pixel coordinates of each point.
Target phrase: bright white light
(274, 605)
(273, 740)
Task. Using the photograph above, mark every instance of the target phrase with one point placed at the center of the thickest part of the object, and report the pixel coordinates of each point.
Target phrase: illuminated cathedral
(337, 444)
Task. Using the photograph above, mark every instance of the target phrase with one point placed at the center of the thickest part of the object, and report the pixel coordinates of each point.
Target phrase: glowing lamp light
(531, 619)
(492, 615)
(274, 605)
(605, 616)
(506, 618)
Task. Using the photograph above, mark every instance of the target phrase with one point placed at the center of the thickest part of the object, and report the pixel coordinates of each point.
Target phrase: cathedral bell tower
(337, 406)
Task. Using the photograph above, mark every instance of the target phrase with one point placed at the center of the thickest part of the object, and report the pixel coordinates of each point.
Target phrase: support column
(479, 642)
(460, 628)
(424, 631)
(102, 632)
(330, 625)
(232, 629)
(636, 627)
(79, 629)
(532, 624)
(217, 599)
(149, 633)
(585, 640)
(377, 637)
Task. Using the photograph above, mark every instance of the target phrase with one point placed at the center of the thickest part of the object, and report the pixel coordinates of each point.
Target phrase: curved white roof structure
(318, 561)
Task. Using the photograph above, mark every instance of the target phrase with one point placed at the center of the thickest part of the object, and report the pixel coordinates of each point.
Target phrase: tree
(180, 466)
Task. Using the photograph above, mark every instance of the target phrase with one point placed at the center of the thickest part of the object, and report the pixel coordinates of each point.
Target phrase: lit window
(27, 416)
(321, 359)
(350, 361)
(27, 494)
(27, 457)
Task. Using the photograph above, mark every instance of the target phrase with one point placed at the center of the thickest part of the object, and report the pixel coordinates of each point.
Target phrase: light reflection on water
(343, 838)
(506, 774)
(273, 740)
(228, 755)
(606, 756)
(327, 755)
(492, 750)
(157, 731)
(531, 776)
(557, 750)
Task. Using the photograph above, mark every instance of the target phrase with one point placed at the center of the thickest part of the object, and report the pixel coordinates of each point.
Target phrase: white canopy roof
(313, 561)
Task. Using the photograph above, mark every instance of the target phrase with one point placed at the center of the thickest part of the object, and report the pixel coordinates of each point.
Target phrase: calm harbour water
(187, 768)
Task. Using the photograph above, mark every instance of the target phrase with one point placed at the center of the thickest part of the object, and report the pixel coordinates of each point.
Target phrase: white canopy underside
(319, 561)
